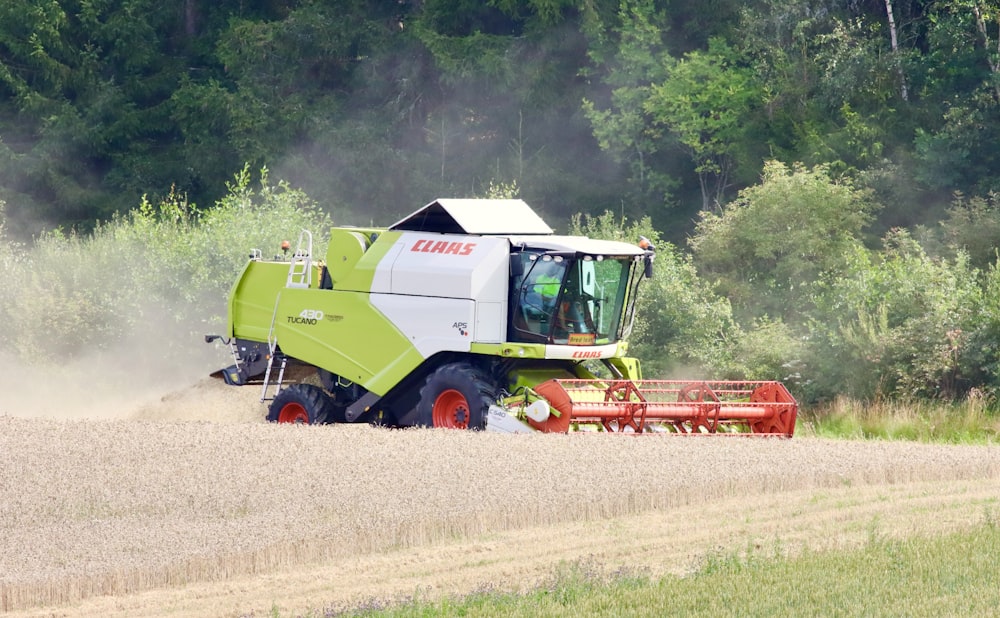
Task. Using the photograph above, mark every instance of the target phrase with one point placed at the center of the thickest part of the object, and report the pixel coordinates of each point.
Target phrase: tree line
(819, 176)
(643, 107)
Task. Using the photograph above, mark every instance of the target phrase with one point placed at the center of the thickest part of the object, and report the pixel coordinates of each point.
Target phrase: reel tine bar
(699, 407)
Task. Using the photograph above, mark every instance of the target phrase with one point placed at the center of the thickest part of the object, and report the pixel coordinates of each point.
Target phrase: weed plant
(971, 421)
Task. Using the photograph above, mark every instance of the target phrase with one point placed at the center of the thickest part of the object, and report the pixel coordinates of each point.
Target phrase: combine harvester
(469, 314)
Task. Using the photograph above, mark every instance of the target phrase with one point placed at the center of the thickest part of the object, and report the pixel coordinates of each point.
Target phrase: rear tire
(455, 396)
(300, 403)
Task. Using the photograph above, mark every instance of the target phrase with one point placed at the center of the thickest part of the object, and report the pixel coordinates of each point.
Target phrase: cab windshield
(572, 299)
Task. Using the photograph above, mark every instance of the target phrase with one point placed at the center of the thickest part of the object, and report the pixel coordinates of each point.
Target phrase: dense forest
(661, 108)
(820, 175)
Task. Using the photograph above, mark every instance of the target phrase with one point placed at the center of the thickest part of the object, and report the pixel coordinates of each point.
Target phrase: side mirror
(650, 254)
(516, 266)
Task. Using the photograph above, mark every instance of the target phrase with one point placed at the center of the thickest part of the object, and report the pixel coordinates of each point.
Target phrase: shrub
(769, 247)
(972, 225)
(156, 278)
(896, 324)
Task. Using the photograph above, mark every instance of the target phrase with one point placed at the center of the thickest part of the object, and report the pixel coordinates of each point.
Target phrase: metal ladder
(299, 276)
(300, 270)
(237, 359)
(267, 377)
(272, 347)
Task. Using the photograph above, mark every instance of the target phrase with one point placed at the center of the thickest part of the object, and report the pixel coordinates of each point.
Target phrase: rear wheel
(455, 396)
(300, 403)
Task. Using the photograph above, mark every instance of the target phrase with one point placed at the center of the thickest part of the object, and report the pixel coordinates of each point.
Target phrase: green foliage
(12, 258)
(587, 105)
(621, 125)
(770, 247)
(502, 190)
(477, 54)
(34, 31)
(972, 225)
(157, 277)
(87, 101)
(970, 421)
(769, 349)
(645, 108)
(858, 71)
(897, 324)
(504, 104)
(960, 152)
(981, 350)
(704, 100)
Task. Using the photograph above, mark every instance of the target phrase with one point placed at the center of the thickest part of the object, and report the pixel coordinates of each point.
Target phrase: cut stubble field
(193, 506)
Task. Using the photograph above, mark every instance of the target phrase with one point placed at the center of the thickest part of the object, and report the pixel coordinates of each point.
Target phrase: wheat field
(95, 507)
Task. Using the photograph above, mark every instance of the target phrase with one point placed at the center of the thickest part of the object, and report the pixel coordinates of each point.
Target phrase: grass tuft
(971, 421)
(948, 575)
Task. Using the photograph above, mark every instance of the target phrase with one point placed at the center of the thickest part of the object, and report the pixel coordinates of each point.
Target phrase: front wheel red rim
(451, 410)
(293, 413)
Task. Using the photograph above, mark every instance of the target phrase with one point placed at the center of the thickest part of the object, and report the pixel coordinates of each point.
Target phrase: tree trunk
(993, 58)
(190, 18)
(895, 50)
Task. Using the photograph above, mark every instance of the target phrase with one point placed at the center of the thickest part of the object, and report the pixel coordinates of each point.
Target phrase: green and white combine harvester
(469, 314)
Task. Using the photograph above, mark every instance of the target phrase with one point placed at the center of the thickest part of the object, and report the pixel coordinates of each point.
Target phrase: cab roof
(577, 244)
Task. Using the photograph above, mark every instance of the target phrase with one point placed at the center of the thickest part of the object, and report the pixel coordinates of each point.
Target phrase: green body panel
(338, 330)
(532, 375)
(346, 248)
(509, 350)
(359, 279)
(343, 333)
(628, 366)
(251, 301)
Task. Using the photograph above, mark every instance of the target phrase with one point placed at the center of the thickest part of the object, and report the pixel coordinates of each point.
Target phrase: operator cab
(567, 298)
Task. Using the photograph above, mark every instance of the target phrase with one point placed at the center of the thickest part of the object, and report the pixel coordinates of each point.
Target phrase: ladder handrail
(272, 347)
(300, 268)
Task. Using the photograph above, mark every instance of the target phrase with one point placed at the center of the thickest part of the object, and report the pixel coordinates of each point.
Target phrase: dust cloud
(129, 382)
(101, 357)
(99, 388)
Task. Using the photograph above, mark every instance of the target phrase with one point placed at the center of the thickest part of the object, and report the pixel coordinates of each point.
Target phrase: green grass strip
(953, 575)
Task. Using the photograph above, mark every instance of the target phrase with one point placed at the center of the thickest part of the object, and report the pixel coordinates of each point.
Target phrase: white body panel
(491, 322)
(431, 324)
(499, 421)
(445, 291)
(382, 280)
(450, 266)
(423, 274)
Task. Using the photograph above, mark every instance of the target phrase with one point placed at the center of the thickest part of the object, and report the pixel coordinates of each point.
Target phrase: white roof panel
(474, 216)
(578, 244)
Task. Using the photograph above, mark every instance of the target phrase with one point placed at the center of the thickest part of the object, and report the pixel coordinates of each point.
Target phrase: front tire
(455, 396)
(300, 403)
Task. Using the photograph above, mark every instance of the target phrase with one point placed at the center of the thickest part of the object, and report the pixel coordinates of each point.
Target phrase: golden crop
(112, 507)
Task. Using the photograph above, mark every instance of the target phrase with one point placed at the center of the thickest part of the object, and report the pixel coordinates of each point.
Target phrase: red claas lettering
(444, 247)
